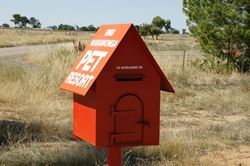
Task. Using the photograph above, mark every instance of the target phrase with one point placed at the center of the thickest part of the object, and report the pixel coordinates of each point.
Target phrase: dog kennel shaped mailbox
(116, 87)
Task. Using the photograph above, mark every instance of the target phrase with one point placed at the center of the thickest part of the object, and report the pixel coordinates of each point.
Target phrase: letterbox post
(116, 85)
(114, 156)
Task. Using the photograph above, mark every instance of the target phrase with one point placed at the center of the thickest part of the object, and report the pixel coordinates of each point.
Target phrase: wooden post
(114, 156)
(183, 63)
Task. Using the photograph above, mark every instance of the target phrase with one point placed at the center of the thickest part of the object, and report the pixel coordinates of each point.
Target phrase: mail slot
(116, 87)
(128, 77)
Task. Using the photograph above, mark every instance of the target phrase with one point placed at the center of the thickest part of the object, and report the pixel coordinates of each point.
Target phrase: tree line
(154, 29)
(25, 22)
(73, 28)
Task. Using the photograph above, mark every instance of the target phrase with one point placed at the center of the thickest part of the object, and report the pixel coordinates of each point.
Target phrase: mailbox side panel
(84, 117)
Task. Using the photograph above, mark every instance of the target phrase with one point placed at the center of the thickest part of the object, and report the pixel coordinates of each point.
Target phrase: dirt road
(24, 50)
(16, 55)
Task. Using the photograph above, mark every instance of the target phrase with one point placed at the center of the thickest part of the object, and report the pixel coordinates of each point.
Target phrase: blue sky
(86, 12)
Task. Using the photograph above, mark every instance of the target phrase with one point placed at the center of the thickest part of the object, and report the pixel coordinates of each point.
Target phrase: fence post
(183, 63)
(242, 62)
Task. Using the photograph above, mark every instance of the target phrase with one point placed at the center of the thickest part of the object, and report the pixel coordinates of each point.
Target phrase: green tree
(5, 25)
(24, 21)
(35, 23)
(184, 31)
(144, 29)
(161, 23)
(174, 31)
(149, 29)
(222, 28)
(91, 28)
(155, 31)
(16, 19)
(167, 25)
(66, 27)
(84, 28)
(158, 22)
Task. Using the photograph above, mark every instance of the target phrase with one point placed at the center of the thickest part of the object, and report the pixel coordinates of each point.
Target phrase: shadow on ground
(14, 131)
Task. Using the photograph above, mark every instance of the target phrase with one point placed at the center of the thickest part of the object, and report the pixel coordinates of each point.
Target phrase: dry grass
(209, 112)
(20, 37)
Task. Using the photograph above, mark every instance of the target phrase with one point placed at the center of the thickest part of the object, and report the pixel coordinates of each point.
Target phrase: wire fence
(177, 58)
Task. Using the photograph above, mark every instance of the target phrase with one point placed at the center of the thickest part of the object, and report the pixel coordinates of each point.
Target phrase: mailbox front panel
(129, 78)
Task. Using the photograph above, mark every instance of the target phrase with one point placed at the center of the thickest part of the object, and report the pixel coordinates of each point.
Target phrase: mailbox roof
(106, 41)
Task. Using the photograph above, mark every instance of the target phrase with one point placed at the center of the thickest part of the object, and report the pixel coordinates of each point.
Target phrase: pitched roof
(98, 52)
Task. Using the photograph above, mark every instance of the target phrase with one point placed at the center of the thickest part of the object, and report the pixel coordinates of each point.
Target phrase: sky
(86, 12)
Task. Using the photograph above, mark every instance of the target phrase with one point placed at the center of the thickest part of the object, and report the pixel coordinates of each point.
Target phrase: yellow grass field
(20, 37)
(206, 122)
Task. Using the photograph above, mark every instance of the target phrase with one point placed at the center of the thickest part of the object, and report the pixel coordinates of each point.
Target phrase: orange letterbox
(116, 85)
